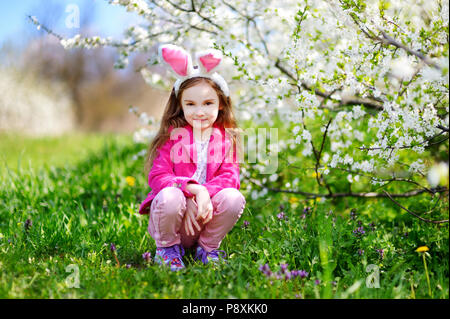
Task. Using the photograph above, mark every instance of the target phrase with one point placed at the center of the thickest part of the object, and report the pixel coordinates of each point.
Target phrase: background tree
(358, 89)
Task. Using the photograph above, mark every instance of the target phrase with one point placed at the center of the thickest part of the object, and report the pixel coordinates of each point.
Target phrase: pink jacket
(175, 164)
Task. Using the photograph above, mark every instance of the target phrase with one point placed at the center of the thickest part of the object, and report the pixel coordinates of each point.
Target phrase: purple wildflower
(359, 231)
(246, 224)
(334, 283)
(265, 269)
(317, 282)
(281, 216)
(359, 223)
(112, 247)
(303, 274)
(372, 226)
(299, 296)
(284, 273)
(303, 216)
(147, 256)
(287, 275)
(299, 273)
(128, 266)
(306, 210)
(353, 214)
(360, 252)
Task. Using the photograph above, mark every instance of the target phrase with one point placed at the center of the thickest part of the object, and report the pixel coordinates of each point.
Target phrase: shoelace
(175, 251)
(215, 253)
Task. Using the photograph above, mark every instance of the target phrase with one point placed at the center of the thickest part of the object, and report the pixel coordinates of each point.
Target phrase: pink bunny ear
(176, 57)
(209, 59)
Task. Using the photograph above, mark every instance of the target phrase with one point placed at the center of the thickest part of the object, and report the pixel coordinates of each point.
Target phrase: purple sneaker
(212, 256)
(171, 256)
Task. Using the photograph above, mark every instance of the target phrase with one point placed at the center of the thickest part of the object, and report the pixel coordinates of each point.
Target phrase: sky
(106, 19)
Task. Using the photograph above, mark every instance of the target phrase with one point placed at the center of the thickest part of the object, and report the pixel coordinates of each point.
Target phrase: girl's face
(200, 104)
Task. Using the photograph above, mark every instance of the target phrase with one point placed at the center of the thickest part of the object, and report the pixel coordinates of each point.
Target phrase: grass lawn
(68, 200)
(17, 151)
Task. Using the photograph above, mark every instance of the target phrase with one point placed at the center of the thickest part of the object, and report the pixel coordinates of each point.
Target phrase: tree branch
(413, 213)
(111, 44)
(389, 40)
(369, 103)
(406, 146)
(411, 193)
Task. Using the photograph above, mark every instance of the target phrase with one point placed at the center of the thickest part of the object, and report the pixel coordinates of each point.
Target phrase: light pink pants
(166, 218)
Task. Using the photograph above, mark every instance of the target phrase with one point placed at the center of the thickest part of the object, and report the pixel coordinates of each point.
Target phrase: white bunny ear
(208, 60)
(179, 60)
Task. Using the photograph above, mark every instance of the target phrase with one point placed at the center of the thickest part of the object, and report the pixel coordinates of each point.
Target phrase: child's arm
(203, 201)
(194, 188)
(161, 175)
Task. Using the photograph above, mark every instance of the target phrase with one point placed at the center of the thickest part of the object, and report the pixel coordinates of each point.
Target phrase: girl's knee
(171, 201)
(232, 201)
(234, 195)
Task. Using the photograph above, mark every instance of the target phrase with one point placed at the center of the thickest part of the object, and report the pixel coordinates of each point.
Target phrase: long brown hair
(173, 116)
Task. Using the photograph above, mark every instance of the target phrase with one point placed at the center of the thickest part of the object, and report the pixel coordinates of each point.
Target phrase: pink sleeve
(162, 175)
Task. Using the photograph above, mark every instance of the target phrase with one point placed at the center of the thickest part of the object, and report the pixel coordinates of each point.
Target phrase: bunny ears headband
(181, 63)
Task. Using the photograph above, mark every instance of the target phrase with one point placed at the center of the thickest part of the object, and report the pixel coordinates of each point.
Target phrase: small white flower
(348, 159)
(306, 135)
(417, 166)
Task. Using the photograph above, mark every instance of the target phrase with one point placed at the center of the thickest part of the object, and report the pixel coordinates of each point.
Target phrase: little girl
(192, 163)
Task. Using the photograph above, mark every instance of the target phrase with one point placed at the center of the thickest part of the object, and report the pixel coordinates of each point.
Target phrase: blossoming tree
(361, 85)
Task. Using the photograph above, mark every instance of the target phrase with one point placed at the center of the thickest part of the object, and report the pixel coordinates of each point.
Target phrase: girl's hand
(189, 217)
(205, 207)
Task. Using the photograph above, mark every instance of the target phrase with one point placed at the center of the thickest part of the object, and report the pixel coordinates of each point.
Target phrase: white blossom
(330, 54)
(417, 166)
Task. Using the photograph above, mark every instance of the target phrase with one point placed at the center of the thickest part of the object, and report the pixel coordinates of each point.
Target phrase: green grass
(17, 150)
(78, 202)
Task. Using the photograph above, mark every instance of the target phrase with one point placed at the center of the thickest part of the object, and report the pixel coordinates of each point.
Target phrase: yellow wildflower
(130, 180)
(293, 200)
(422, 249)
